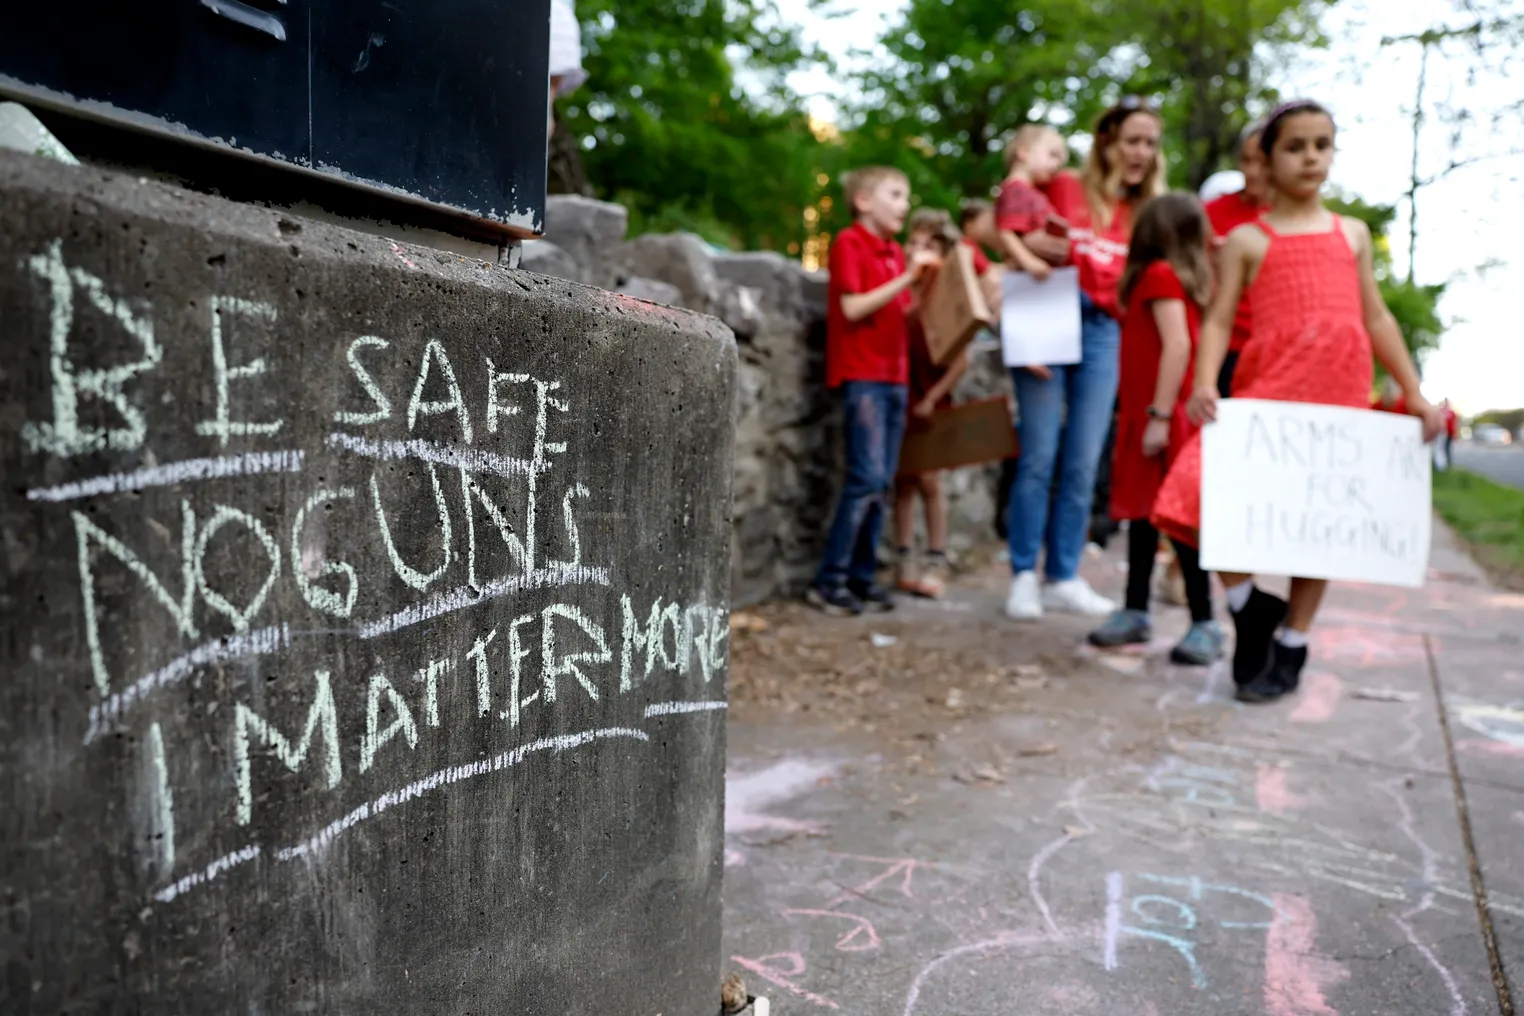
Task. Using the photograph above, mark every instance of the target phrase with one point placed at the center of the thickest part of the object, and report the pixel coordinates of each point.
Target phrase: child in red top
(931, 233)
(1033, 156)
(868, 358)
(1318, 316)
(1166, 280)
(1227, 213)
(976, 220)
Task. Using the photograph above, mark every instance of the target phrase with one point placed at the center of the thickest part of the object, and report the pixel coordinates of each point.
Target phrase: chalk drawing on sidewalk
(748, 796)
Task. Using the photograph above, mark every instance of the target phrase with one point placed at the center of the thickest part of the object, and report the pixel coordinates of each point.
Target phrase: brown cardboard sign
(966, 435)
(955, 308)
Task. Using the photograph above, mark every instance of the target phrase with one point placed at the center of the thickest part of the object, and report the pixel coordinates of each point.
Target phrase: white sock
(1238, 596)
(1291, 638)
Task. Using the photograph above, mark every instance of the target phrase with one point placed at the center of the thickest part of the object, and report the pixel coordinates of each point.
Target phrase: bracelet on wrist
(1154, 413)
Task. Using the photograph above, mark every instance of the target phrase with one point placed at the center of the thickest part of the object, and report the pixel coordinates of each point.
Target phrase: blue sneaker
(1124, 627)
(1202, 645)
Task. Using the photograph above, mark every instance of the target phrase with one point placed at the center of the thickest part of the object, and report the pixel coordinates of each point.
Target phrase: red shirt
(1400, 406)
(1021, 208)
(1142, 345)
(877, 347)
(1226, 214)
(981, 260)
(1136, 478)
(1100, 254)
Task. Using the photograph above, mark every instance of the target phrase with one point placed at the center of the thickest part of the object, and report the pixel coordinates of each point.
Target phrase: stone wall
(787, 457)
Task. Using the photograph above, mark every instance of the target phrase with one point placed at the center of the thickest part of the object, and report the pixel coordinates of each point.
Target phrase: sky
(1469, 219)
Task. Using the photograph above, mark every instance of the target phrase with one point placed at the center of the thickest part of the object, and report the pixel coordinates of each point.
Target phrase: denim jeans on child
(873, 426)
(1062, 425)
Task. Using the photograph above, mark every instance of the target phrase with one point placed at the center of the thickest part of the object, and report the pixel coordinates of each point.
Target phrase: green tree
(1208, 62)
(961, 76)
(1415, 306)
(667, 128)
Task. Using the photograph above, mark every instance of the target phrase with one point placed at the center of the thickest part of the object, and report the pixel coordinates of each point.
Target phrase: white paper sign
(1322, 492)
(1040, 321)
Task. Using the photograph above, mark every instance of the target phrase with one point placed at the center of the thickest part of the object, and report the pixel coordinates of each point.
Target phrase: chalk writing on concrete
(439, 483)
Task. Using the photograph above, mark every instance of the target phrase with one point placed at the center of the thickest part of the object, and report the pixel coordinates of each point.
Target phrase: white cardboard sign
(1040, 321)
(1292, 488)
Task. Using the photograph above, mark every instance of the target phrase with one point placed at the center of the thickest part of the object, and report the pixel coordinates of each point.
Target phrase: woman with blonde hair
(1066, 410)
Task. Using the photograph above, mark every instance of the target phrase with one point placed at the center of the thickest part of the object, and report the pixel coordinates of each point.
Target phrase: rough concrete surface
(364, 623)
(994, 820)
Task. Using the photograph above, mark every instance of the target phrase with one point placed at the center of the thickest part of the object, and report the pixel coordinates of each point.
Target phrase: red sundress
(1135, 477)
(1309, 345)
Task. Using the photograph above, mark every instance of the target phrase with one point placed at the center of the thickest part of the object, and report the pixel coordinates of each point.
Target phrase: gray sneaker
(1125, 627)
(1202, 645)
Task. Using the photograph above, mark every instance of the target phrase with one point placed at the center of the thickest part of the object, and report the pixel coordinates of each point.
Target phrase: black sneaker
(875, 599)
(1283, 677)
(833, 600)
(1255, 627)
(1287, 668)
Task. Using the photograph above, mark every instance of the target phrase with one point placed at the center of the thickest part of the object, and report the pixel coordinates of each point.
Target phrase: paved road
(1505, 465)
(1089, 834)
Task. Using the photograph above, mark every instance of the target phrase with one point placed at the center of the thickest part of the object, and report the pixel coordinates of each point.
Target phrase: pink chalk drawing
(1362, 647)
(847, 942)
(746, 796)
(1518, 817)
(1295, 976)
(901, 867)
(783, 978)
(1320, 696)
(1274, 796)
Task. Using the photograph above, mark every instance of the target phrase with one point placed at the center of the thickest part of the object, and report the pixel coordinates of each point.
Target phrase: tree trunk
(564, 172)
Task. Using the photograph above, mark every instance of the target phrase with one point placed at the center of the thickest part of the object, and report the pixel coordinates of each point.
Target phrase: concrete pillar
(364, 620)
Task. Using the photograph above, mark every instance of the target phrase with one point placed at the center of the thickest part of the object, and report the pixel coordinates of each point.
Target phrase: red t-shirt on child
(1100, 252)
(1226, 214)
(875, 348)
(981, 259)
(1021, 208)
(1135, 479)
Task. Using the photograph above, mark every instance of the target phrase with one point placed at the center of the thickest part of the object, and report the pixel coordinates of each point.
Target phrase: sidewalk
(982, 819)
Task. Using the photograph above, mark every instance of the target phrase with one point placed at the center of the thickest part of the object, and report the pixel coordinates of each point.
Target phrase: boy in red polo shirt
(1226, 214)
(868, 358)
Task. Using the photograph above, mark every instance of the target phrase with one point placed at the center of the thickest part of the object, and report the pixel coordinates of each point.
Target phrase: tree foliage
(668, 129)
(1415, 306)
(1208, 61)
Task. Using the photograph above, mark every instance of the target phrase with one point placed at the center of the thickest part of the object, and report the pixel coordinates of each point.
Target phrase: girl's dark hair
(1277, 118)
(1171, 228)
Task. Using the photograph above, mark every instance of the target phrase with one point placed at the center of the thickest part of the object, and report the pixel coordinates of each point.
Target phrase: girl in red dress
(1166, 281)
(1318, 316)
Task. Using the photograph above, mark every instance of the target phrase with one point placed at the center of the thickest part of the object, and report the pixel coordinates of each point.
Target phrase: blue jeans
(873, 426)
(1063, 423)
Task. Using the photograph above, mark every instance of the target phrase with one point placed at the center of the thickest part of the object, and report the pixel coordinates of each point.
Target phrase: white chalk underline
(219, 467)
(674, 708)
(473, 460)
(260, 642)
(440, 778)
(170, 473)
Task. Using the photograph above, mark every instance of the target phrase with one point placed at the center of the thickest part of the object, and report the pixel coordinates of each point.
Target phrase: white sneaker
(1025, 601)
(1074, 596)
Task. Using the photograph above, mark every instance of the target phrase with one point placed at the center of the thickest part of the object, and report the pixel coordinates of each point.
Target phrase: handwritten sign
(955, 308)
(965, 435)
(1315, 491)
(1040, 321)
